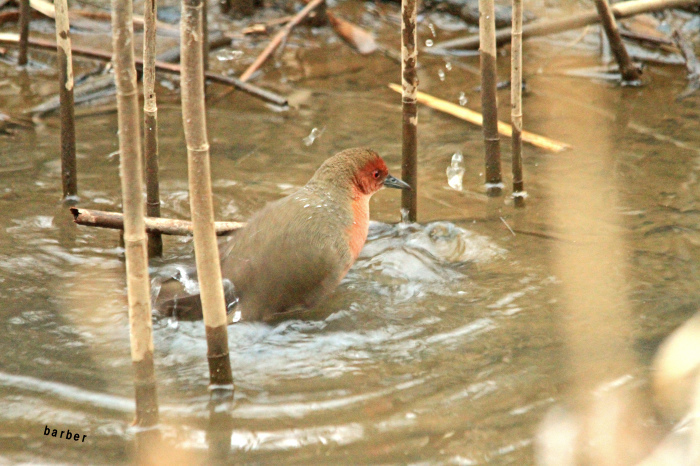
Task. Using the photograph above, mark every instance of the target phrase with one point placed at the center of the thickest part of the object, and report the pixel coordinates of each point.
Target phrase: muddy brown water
(448, 341)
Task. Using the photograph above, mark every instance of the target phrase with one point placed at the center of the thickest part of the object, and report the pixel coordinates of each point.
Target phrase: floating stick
(164, 226)
(475, 117)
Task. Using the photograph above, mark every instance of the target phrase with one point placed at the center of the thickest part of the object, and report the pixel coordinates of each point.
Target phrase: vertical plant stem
(516, 102)
(629, 72)
(150, 124)
(409, 106)
(489, 106)
(69, 171)
(25, 13)
(205, 37)
(201, 205)
(130, 169)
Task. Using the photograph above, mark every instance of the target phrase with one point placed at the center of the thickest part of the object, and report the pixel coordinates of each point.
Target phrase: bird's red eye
(375, 174)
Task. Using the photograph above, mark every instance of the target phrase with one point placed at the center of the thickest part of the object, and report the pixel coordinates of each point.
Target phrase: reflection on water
(444, 343)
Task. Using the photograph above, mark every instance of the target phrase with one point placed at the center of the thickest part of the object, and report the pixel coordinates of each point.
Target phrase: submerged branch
(578, 20)
(268, 96)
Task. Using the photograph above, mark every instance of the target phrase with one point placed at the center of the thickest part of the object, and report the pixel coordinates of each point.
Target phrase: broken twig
(277, 40)
(473, 117)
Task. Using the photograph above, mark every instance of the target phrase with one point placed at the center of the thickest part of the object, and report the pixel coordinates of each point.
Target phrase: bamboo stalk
(150, 124)
(271, 97)
(575, 21)
(25, 13)
(201, 204)
(130, 169)
(164, 226)
(629, 72)
(489, 106)
(69, 171)
(476, 118)
(409, 108)
(277, 40)
(516, 102)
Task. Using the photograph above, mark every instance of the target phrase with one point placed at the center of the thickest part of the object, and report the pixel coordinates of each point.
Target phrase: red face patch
(370, 178)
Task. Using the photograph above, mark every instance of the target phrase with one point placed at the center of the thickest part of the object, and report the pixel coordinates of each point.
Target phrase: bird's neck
(360, 222)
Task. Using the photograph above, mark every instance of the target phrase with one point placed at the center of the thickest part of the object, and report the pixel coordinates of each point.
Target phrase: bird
(294, 251)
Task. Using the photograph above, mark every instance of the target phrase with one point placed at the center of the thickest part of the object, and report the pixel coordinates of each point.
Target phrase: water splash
(455, 172)
(229, 55)
(463, 99)
(313, 135)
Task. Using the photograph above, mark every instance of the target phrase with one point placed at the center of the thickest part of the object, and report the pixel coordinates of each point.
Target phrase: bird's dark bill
(393, 182)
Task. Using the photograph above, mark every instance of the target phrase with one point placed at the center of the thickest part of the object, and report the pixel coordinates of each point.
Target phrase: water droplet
(236, 316)
(429, 43)
(441, 74)
(432, 29)
(229, 55)
(448, 66)
(462, 99)
(455, 172)
(313, 135)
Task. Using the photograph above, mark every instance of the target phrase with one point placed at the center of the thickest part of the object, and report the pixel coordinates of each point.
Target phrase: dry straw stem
(575, 21)
(516, 101)
(629, 72)
(130, 169)
(201, 205)
(487, 55)
(150, 124)
(165, 226)
(279, 37)
(475, 117)
(69, 171)
(24, 17)
(12, 38)
(409, 107)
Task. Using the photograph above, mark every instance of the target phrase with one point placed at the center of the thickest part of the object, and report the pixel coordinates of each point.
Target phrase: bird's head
(361, 170)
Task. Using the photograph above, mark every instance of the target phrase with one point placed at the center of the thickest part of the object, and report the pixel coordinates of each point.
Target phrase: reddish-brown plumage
(295, 250)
